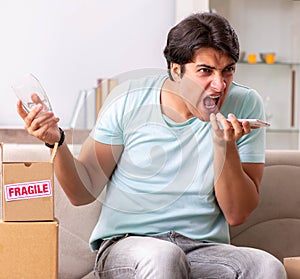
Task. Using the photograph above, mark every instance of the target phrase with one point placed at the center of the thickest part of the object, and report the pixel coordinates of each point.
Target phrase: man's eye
(230, 70)
(205, 70)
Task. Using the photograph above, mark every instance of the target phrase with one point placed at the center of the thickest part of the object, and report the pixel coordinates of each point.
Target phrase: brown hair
(197, 31)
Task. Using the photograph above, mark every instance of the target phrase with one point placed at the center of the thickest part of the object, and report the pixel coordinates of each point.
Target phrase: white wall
(69, 44)
(186, 7)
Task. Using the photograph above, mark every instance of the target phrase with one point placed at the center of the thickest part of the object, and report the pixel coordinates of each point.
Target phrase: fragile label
(28, 190)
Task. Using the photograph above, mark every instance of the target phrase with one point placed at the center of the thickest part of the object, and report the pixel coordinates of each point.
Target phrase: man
(178, 164)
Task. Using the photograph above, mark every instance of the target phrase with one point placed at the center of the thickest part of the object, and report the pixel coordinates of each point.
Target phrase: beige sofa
(274, 226)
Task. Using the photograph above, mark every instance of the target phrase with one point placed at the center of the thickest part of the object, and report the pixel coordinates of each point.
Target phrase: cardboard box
(27, 191)
(29, 250)
(292, 267)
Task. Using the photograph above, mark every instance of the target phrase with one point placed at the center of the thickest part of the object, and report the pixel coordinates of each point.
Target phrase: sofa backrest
(274, 226)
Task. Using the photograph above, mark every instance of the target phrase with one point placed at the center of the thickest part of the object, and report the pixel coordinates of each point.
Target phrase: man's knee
(155, 258)
(266, 266)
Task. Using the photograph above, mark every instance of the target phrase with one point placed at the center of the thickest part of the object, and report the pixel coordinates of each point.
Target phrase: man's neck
(172, 104)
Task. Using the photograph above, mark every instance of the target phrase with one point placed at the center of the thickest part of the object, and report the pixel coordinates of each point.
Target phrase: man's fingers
(23, 113)
(214, 122)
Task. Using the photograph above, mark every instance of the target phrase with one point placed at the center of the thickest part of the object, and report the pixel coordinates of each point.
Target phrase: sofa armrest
(274, 226)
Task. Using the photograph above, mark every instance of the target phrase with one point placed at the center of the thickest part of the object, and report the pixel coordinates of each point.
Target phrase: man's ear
(175, 70)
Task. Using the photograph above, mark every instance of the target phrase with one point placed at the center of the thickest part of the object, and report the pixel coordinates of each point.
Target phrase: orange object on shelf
(251, 58)
(270, 58)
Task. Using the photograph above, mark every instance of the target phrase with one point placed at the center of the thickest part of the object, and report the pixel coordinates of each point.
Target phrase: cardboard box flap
(2, 153)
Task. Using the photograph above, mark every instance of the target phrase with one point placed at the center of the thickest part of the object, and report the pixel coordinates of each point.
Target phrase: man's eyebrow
(213, 68)
(206, 66)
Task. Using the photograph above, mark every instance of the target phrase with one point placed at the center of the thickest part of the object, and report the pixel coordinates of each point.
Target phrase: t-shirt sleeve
(108, 128)
(252, 146)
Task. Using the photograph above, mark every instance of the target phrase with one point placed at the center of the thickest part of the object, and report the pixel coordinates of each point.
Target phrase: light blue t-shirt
(164, 179)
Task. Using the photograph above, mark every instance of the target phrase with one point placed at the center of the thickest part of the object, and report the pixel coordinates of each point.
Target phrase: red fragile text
(28, 190)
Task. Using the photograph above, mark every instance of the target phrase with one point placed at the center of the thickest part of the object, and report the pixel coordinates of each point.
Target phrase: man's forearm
(236, 192)
(73, 177)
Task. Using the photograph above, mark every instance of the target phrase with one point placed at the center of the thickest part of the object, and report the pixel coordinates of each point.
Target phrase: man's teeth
(214, 97)
(210, 107)
(214, 100)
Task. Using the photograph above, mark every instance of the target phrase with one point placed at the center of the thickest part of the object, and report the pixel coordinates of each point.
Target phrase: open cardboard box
(27, 190)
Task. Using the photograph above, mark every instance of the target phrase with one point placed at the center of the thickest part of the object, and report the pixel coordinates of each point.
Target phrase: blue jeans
(174, 256)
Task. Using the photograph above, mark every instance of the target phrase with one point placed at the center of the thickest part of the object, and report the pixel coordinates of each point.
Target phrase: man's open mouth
(211, 102)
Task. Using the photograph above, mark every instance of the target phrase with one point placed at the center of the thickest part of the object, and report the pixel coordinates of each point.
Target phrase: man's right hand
(42, 126)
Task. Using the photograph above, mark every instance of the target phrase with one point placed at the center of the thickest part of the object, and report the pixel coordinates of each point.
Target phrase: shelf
(275, 64)
(282, 131)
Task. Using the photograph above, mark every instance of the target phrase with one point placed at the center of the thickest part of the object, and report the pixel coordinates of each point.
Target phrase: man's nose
(218, 83)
